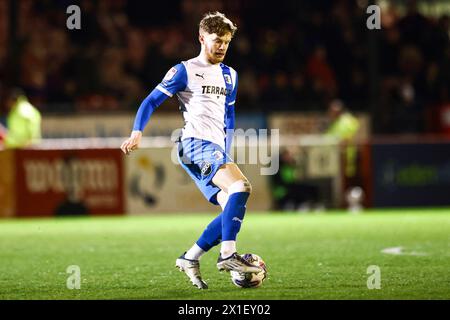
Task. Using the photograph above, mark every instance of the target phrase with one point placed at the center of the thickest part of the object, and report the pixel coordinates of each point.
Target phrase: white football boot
(236, 263)
(192, 269)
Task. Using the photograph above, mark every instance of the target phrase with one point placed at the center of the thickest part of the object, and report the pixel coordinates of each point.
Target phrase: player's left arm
(230, 117)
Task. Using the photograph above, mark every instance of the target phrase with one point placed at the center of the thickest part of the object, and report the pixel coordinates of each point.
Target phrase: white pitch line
(393, 250)
(399, 251)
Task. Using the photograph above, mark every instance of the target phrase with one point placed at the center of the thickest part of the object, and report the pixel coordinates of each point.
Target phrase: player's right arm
(174, 81)
(150, 103)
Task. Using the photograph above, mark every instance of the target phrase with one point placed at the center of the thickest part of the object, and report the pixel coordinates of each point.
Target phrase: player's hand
(132, 143)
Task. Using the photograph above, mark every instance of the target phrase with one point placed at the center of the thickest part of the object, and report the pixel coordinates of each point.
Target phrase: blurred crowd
(291, 55)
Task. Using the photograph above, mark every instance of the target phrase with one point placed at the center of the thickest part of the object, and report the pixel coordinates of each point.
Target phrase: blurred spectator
(3, 132)
(295, 55)
(290, 191)
(320, 73)
(23, 122)
(344, 126)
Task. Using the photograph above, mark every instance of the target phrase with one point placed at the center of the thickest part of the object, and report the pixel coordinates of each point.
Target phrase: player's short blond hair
(216, 22)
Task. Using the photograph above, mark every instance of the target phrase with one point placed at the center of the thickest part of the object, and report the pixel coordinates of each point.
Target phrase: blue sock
(211, 235)
(233, 215)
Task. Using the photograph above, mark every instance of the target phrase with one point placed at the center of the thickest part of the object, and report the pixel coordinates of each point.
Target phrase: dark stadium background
(75, 200)
(295, 55)
(292, 56)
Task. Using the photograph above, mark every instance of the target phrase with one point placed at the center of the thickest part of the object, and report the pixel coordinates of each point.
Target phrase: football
(250, 280)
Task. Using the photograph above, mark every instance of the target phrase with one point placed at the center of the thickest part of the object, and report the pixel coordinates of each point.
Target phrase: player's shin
(209, 238)
(232, 218)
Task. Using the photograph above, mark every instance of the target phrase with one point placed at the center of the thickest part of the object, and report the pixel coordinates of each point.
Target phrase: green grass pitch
(313, 256)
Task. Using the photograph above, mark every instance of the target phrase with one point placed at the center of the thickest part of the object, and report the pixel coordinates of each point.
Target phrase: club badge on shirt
(227, 78)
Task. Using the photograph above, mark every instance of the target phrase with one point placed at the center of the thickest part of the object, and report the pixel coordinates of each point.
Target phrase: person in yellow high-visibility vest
(23, 121)
(344, 126)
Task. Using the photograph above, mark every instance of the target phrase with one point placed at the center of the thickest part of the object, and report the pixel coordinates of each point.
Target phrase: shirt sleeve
(174, 81)
(150, 103)
(230, 118)
(234, 93)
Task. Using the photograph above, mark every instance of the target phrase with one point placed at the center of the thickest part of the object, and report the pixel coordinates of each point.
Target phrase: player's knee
(222, 199)
(248, 186)
(240, 186)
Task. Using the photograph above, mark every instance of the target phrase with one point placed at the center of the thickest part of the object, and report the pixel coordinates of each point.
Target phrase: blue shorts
(201, 159)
